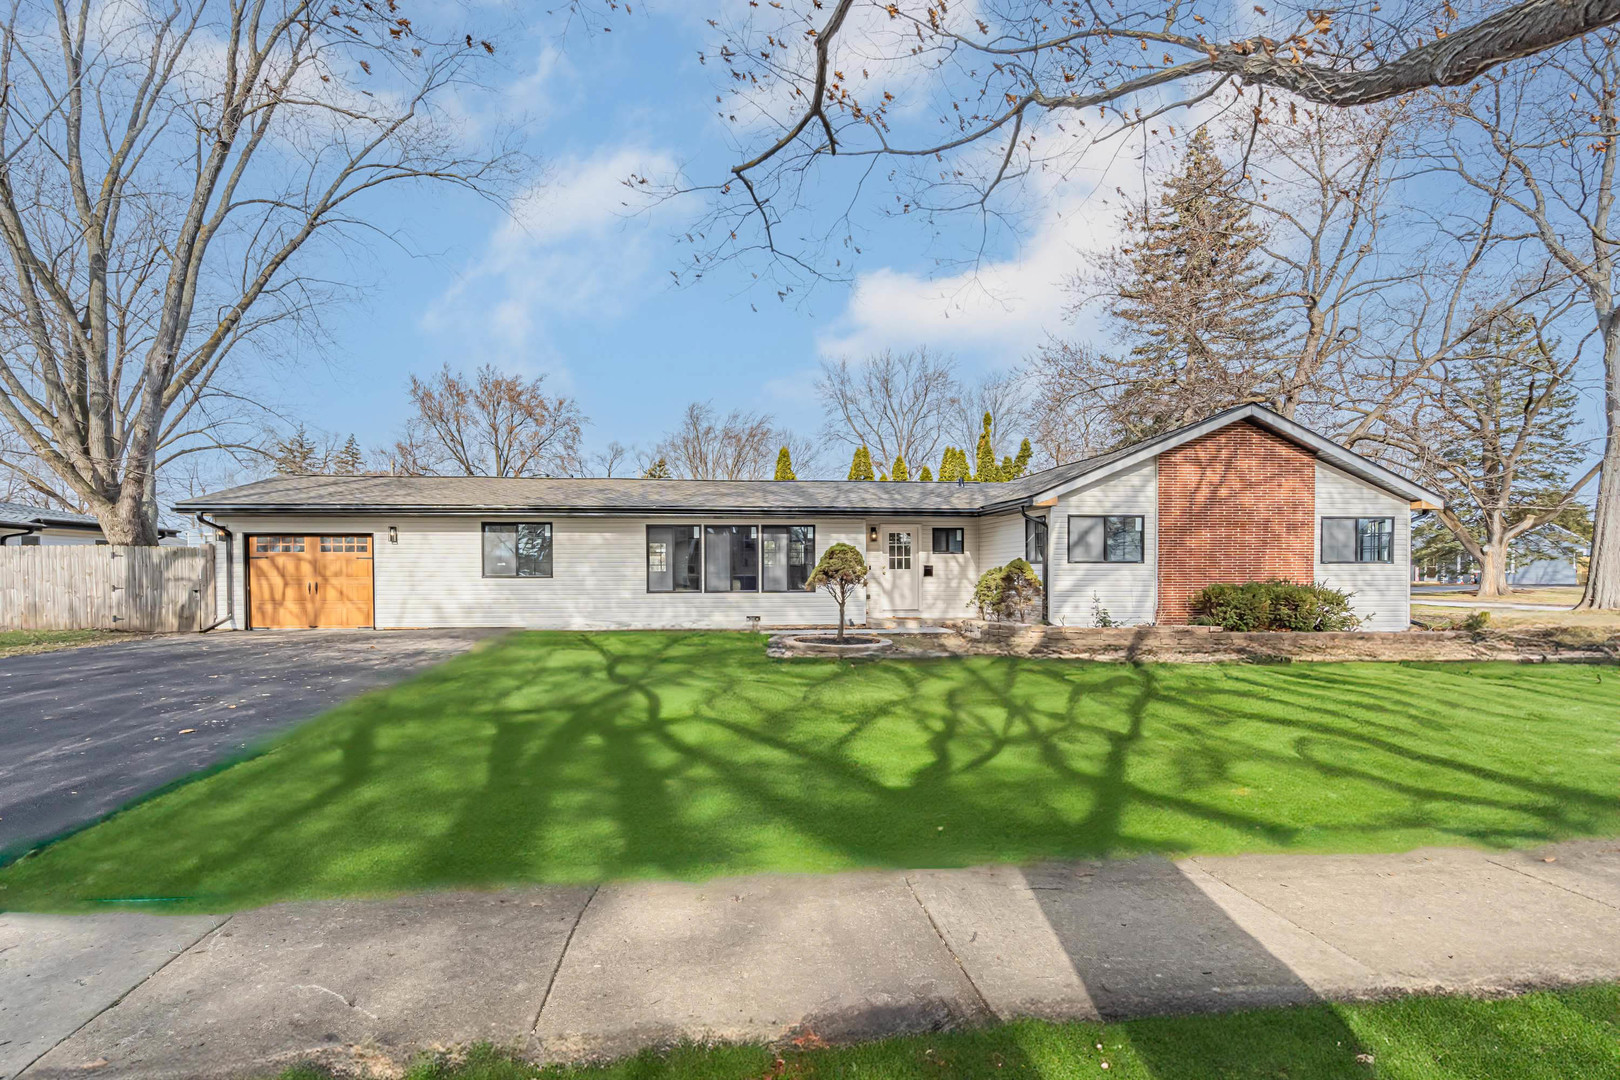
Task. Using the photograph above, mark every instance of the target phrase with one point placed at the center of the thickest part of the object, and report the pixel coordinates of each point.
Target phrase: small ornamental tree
(925, 476)
(658, 470)
(1010, 593)
(840, 572)
(861, 467)
(784, 465)
(899, 471)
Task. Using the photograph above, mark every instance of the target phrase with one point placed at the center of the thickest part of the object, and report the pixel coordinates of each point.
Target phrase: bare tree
(894, 404)
(1544, 138)
(162, 170)
(614, 457)
(947, 103)
(1493, 429)
(489, 425)
(707, 446)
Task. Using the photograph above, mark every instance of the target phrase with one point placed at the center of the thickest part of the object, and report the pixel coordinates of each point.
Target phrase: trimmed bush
(1011, 593)
(1274, 605)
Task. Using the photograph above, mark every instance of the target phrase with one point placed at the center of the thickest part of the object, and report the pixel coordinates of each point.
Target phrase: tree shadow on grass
(573, 758)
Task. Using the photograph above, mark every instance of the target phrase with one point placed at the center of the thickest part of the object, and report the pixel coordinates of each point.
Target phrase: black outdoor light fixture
(871, 535)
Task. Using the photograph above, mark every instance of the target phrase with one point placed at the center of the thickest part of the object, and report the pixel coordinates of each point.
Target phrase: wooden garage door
(306, 581)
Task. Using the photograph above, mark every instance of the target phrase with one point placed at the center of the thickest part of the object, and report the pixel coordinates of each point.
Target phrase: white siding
(1383, 596)
(1128, 591)
(433, 576)
(949, 592)
(1001, 538)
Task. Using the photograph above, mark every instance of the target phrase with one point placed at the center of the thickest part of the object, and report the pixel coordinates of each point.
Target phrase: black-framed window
(1358, 539)
(1035, 541)
(517, 549)
(731, 558)
(948, 541)
(1105, 538)
(787, 555)
(674, 558)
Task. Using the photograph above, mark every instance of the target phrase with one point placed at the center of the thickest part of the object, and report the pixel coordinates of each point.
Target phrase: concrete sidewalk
(570, 972)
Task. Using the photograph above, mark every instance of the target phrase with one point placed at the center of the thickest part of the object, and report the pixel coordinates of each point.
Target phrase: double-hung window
(517, 549)
(787, 555)
(1105, 538)
(674, 558)
(1358, 539)
(947, 541)
(731, 558)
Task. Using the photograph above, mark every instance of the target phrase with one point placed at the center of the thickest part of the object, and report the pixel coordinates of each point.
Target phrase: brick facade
(1238, 504)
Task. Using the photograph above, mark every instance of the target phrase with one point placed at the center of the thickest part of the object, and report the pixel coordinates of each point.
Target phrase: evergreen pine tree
(861, 467)
(899, 471)
(350, 460)
(784, 465)
(1194, 298)
(985, 455)
(296, 455)
(925, 476)
(658, 470)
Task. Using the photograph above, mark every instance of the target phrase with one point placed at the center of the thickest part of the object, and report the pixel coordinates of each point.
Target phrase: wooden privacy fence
(106, 587)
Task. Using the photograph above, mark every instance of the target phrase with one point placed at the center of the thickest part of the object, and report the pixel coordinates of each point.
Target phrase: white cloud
(576, 242)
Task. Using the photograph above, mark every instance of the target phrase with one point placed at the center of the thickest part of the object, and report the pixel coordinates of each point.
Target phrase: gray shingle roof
(21, 514)
(464, 494)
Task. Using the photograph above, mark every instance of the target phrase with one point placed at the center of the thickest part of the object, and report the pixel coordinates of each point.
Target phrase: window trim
(1355, 537)
(935, 549)
(1069, 540)
(789, 527)
(1042, 530)
(646, 539)
(483, 560)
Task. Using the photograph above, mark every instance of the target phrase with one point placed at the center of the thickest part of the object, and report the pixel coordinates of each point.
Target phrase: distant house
(1245, 495)
(33, 526)
(1533, 562)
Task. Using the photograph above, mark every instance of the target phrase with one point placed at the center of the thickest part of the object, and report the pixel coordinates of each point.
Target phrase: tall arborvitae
(861, 467)
(987, 472)
(899, 471)
(1194, 299)
(953, 465)
(784, 465)
(924, 475)
(1013, 467)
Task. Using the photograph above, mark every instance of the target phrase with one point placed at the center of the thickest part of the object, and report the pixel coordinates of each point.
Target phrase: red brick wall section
(1236, 505)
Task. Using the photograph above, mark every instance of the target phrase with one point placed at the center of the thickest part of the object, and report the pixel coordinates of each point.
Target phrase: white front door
(898, 564)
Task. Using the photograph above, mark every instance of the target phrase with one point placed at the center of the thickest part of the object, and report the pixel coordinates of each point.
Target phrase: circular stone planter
(827, 645)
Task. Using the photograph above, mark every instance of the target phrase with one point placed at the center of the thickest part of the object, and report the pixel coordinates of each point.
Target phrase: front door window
(900, 551)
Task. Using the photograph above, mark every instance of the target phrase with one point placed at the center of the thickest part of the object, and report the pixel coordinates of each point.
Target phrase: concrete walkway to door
(86, 730)
(573, 972)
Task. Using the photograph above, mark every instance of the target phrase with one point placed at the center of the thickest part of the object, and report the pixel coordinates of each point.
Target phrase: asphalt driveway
(86, 730)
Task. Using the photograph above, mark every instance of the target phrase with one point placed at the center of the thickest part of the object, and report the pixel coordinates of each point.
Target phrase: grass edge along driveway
(573, 757)
(1560, 1035)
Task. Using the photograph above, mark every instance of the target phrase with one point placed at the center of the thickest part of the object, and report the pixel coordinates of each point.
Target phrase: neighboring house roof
(21, 515)
(463, 494)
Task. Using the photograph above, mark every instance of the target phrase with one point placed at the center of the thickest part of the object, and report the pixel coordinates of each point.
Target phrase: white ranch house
(1244, 495)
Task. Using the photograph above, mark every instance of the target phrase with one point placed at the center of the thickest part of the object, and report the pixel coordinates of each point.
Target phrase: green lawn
(18, 642)
(1570, 1035)
(555, 757)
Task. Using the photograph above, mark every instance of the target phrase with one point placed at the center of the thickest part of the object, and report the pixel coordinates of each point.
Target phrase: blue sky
(579, 286)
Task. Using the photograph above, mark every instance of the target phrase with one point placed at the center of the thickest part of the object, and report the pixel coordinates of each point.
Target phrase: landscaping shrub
(1011, 593)
(1274, 605)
